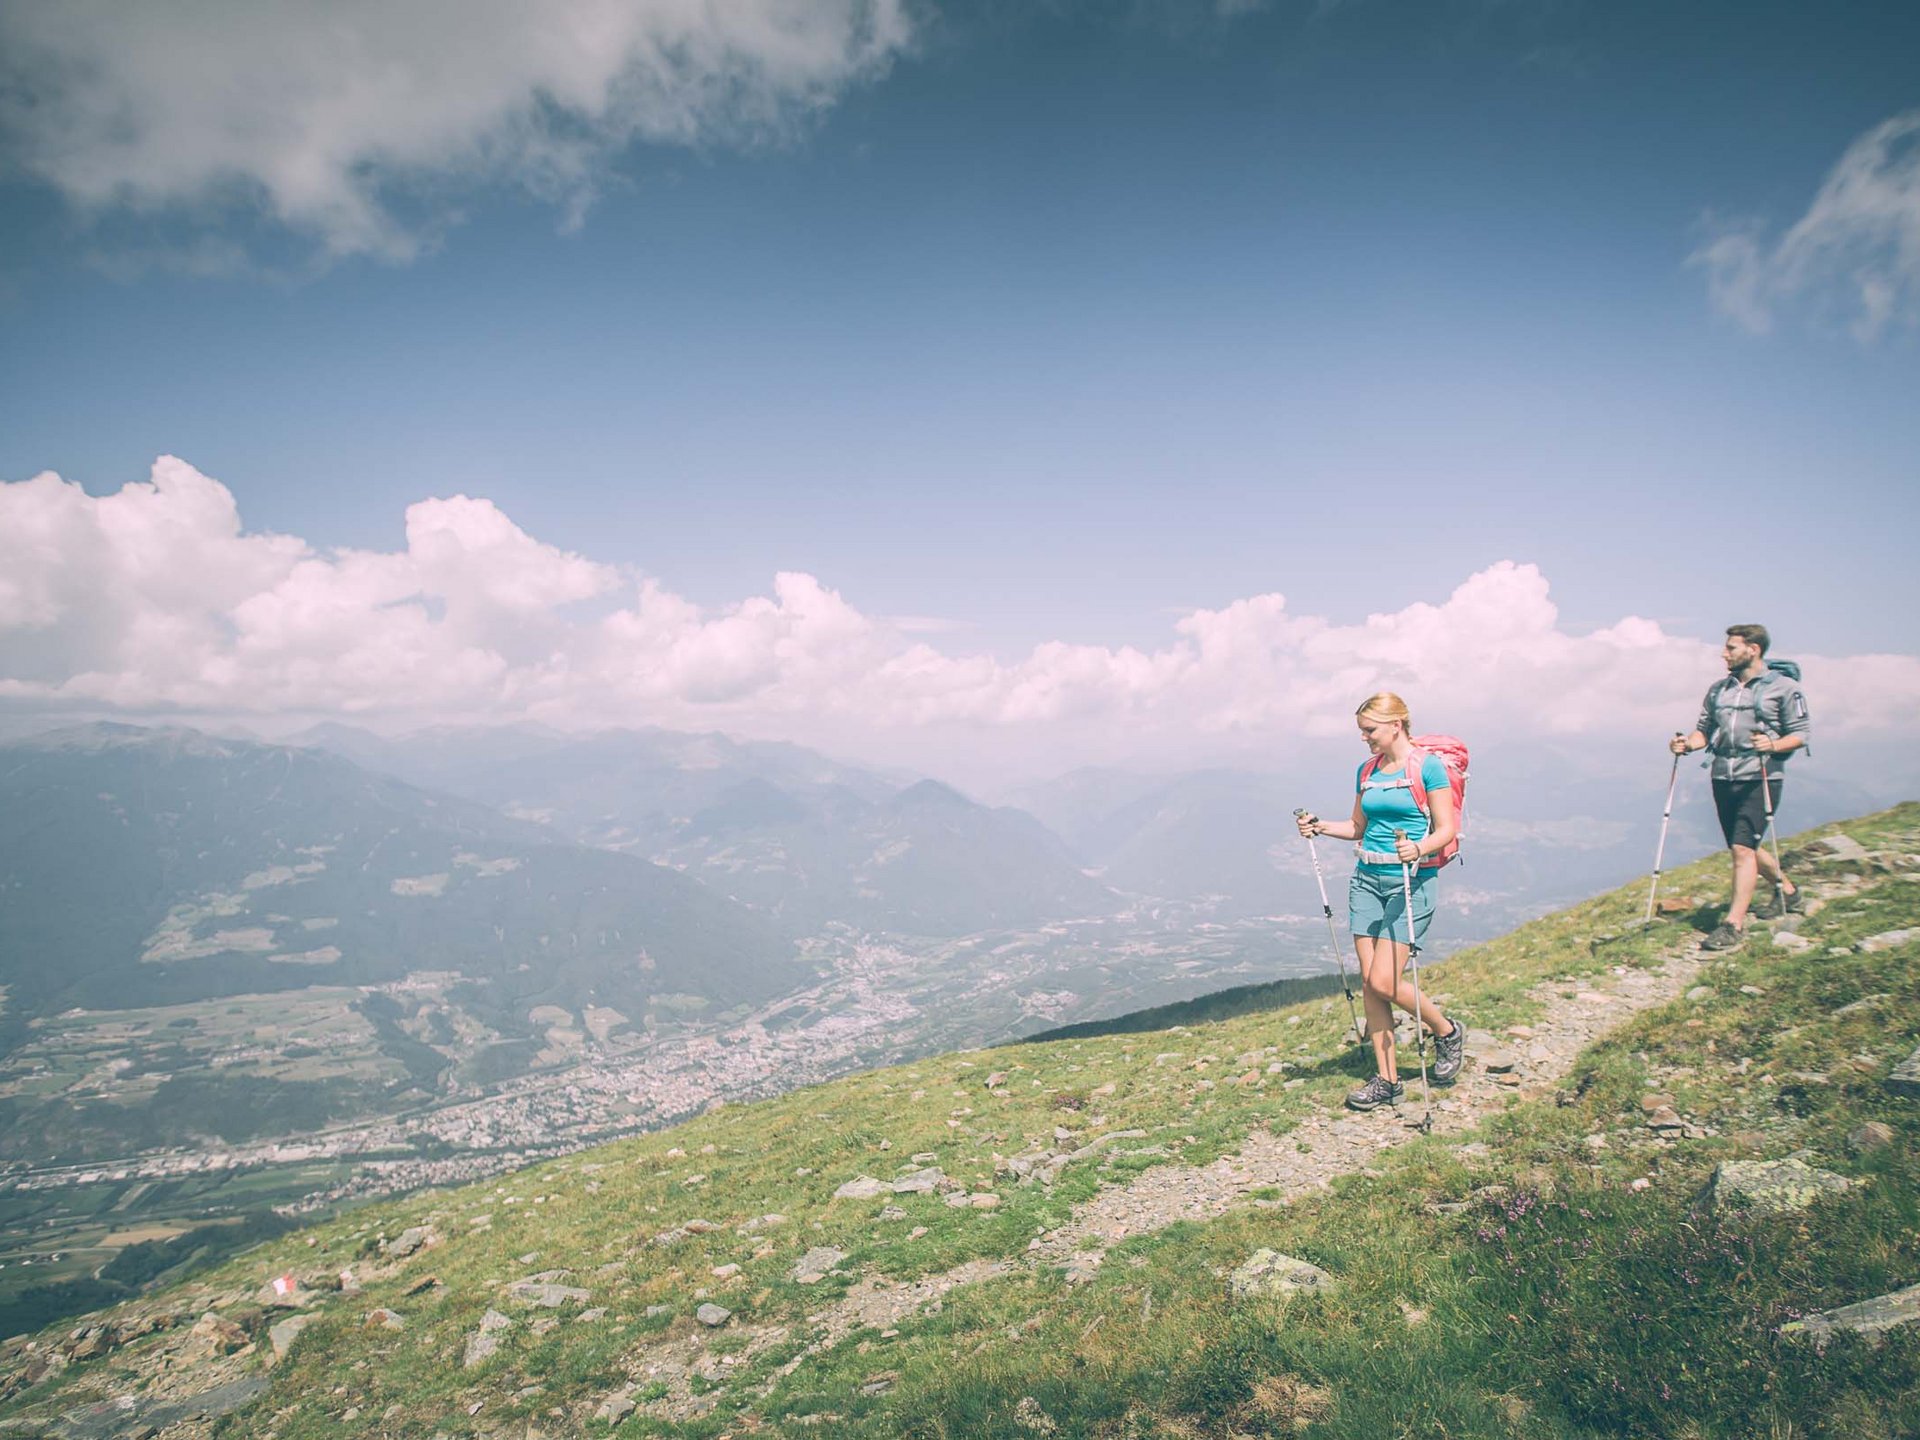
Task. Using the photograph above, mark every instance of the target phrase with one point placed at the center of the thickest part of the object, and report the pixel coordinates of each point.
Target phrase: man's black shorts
(1743, 809)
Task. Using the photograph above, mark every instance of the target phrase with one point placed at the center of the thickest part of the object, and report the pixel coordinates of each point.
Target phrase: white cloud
(359, 124)
(155, 599)
(1858, 245)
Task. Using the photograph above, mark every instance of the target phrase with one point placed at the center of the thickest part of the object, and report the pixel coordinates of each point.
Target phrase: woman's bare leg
(1376, 963)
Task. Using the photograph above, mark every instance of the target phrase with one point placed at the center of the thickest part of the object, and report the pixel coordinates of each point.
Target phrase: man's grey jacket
(1735, 709)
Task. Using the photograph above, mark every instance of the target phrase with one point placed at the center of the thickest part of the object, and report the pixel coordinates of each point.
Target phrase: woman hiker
(1393, 832)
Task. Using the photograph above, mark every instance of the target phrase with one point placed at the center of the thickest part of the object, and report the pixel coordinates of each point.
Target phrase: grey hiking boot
(1772, 908)
(1376, 1092)
(1724, 937)
(1449, 1054)
(1796, 903)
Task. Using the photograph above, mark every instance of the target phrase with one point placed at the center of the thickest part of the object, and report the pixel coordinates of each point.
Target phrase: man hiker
(1753, 721)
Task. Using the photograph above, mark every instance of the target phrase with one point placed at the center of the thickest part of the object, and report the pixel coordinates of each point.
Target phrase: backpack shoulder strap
(1417, 782)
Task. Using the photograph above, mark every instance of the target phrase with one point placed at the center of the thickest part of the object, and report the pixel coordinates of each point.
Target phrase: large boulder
(1871, 1318)
(1770, 1187)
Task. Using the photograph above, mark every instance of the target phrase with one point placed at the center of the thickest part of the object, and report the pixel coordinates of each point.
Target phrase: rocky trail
(1268, 1170)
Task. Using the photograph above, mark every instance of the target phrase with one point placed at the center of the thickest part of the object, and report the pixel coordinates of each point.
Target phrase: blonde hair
(1386, 706)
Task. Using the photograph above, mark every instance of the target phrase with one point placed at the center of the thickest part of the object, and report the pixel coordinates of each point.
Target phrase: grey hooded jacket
(1734, 709)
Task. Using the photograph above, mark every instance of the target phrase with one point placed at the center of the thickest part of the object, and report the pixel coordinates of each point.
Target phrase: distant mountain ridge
(806, 840)
(150, 866)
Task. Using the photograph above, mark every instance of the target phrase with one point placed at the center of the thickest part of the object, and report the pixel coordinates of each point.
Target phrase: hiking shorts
(1743, 809)
(1377, 904)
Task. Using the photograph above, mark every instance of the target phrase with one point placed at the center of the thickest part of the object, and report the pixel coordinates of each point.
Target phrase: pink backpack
(1451, 752)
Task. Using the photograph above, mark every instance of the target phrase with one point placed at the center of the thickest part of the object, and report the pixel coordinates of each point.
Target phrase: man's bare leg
(1746, 872)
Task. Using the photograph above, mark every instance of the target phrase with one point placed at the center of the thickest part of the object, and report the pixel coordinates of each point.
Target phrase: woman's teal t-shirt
(1387, 802)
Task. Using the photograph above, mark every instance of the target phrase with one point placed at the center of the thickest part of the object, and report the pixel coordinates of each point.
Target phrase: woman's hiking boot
(1376, 1092)
(1449, 1054)
(1724, 937)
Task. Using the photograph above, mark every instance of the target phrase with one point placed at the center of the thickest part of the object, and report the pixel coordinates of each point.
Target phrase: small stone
(713, 1316)
(1700, 992)
(1641, 1183)
(1665, 1118)
(921, 1182)
(385, 1319)
(1788, 940)
(1886, 940)
(282, 1336)
(1843, 847)
(1267, 1272)
(546, 1295)
(409, 1240)
(862, 1187)
(1874, 1135)
(1030, 1417)
(1905, 1079)
(657, 1312)
(817, 1264)
(996, 1079)
(1498, 1062)
(616, 1407)
(1753, 990)
(1650, 1103)
(985, 1200)
(725, 1272)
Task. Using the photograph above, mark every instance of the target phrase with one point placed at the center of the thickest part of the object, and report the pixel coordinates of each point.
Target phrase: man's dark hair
(1753, 635)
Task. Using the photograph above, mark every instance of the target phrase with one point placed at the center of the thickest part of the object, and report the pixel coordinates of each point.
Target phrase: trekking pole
(1413, 956)
(1766, 797)
(1666, 815)
(1326, 909)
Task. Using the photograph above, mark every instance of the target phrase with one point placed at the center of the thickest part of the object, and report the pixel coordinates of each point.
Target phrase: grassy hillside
(1543, 1265)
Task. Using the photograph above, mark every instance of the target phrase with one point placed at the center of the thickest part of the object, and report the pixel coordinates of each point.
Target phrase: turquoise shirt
(1387, 802)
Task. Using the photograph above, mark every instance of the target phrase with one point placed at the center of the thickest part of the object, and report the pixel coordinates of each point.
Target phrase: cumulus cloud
(156, 599)
(1858, 245)
(359, 125)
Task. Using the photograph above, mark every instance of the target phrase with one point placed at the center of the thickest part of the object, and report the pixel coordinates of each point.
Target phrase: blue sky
(1061, 322)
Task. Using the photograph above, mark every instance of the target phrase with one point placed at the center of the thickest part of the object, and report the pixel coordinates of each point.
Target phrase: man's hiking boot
(1449, 1054)
(1376, 1092)
(1796, 903)
(1724, 937)
(1771, 908)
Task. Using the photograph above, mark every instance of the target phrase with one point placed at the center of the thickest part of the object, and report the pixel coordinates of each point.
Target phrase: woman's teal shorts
(1377, 904)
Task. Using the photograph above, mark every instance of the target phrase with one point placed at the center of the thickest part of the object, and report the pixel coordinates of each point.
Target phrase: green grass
(1545, 1297)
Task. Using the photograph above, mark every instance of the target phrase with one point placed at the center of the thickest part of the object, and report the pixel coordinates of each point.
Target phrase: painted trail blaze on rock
(1268, 1272)
(1770, 1187)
